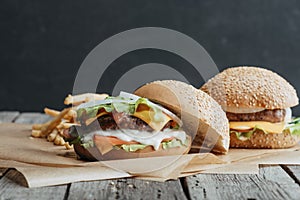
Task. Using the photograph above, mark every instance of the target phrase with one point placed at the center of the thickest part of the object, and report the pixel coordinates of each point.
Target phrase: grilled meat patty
(123, 121)
(272, 116)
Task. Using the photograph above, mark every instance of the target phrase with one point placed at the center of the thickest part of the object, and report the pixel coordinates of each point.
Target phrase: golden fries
(81, 98)
(55, 122)
(37, 126)
(68, 146)
(51, 137)
(51, 112)
(53, 130)
(36, 133)
(59, 140)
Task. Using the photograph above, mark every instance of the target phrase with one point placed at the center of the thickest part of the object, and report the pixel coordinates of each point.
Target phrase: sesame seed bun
(250, 89)
(203, 118)
(267, 141)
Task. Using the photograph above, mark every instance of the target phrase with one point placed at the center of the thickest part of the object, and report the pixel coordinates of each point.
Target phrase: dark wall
(43, 43)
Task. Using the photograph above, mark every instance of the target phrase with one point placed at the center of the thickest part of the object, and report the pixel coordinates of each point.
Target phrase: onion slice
(288, 115)
(100, 102)
(166, 111)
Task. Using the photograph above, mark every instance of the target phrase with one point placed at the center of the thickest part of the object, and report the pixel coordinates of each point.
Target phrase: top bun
(245, 89)
(202, 116)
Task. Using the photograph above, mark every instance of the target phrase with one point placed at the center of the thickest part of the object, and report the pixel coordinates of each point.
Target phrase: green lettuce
(158, 116)
(171, 144)
(165, 145)
(90, 112)
(132, 147)
(246, 135)
(294, 127)
(128, 107)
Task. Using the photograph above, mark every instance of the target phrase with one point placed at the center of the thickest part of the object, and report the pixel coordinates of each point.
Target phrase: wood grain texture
(271, 183)
(294, 172)
(9, 189)
(126, 189)
(8, 116)
(2, 171)
(12, 185)
(32, 118)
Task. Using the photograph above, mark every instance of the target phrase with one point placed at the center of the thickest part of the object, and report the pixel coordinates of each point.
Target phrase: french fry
(59, 140)
(55, 122)
(81, 98)
(37, 126)
(68, 146)
(62, 141)
(65, 124)
(54, 130)
(71, 115)
(68, 125)
(51, 137)
(36, 133)
(51, 112)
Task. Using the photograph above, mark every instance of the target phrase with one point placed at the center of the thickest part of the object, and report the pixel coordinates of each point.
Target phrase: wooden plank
(262, 186)
(126, 189)
(276, 174)
(8, 116)
(32, 118)
(12, 184)
(9, 189)
(2, 171)
(293, 171)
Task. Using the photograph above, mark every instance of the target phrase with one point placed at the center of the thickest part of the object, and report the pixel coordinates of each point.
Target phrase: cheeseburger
(258, 105)
(126, 126)
(203, 118)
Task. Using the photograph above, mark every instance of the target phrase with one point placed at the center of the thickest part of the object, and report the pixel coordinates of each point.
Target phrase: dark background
(43, 43)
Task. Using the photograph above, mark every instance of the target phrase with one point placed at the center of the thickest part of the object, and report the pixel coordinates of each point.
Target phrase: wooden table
(273, 182)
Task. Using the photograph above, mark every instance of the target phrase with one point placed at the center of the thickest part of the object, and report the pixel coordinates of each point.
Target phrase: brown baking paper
(43, 163)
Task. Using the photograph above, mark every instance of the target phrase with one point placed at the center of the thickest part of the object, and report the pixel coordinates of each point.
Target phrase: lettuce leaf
(124, 107)
(133, 147)
(165, 145)
(171, 144)
(128, 107)
(90, 112)
(158, 116)
(294, 130)
(246, 135)
(294, 127)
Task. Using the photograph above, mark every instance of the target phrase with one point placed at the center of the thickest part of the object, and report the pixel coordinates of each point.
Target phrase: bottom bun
(93, 154)
(261, 140)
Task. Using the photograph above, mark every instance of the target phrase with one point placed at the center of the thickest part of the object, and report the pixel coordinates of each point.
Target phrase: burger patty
(273, 116)
(123, 121)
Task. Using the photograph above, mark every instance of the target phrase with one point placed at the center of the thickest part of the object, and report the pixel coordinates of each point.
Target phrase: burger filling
(128, 125)
(266, 121)
(272, 116)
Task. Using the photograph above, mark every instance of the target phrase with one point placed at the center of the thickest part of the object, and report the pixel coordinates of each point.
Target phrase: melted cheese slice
(148, 117)
(266, 126)
(145, 115)
(90, 120)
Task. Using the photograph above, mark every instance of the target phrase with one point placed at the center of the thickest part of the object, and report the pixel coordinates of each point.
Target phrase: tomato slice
(116, 141)
(113, 140)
